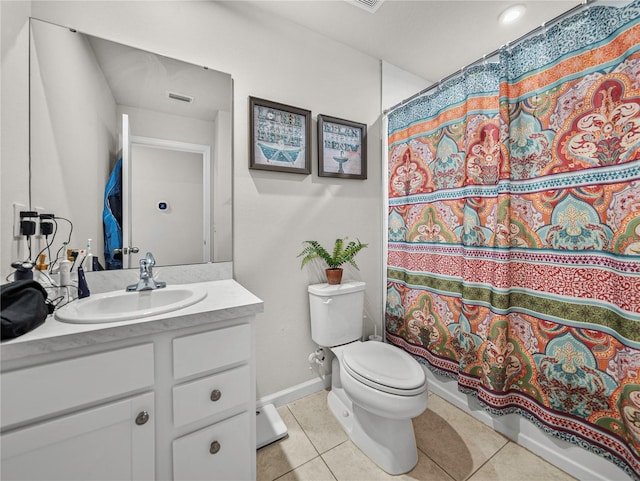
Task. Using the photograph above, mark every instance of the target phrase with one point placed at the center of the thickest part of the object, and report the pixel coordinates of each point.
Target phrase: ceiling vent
(182, 98)
(369, 5)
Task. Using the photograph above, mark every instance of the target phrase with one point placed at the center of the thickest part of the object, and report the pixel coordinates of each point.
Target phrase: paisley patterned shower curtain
(514, 231)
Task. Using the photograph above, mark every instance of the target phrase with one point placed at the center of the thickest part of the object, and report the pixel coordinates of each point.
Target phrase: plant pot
(334, 276)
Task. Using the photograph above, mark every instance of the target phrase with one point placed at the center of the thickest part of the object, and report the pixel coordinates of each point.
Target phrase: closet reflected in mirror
(124, 140)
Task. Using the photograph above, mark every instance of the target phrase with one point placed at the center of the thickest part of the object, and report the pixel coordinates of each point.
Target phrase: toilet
(376, 388)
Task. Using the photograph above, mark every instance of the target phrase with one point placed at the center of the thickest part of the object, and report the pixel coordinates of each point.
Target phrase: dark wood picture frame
(279, 137)
(342, 148)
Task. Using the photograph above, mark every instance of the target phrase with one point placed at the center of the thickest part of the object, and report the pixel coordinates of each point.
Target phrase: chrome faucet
(146, 282)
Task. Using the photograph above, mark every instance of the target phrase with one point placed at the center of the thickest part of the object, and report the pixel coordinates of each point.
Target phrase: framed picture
(279, 138)
(342, 148)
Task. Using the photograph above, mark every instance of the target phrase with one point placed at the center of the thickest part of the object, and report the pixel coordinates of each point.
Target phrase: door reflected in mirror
(164, 182)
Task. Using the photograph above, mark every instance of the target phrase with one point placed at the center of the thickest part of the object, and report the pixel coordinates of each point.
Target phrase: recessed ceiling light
(511, 14)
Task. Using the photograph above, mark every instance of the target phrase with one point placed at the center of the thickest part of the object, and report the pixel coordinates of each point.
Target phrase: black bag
(23, 307)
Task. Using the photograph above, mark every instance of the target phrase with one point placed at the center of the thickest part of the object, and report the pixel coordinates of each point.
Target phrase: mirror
(176, 180)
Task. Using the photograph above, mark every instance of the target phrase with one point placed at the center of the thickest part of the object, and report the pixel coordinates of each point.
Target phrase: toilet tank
(336, 312)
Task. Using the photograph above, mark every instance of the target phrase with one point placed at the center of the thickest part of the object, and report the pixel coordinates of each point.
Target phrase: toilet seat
(384, 367)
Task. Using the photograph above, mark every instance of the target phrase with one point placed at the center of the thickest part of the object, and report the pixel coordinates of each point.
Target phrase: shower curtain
(514, 231)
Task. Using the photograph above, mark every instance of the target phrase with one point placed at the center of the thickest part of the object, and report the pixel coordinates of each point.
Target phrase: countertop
(226, 299)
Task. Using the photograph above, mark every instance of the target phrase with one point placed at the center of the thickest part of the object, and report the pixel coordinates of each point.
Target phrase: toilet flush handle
(328, 301)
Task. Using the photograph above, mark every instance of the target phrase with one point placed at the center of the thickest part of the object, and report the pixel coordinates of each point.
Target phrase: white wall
(398, 85)
(14, 124)
(74, 113)
(222, 193)
(273, 212)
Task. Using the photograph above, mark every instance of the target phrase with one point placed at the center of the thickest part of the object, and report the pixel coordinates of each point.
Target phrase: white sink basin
(122, 305)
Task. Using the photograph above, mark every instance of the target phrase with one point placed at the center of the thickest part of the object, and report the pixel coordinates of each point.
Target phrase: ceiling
(143, 80)
(431, 39)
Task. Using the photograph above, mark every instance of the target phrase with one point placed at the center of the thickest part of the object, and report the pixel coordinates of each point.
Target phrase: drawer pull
(215, 447)
(215, 395)
(142, 418)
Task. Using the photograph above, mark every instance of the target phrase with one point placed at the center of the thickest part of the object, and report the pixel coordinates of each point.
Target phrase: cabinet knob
(215, 395)
(215, 447)
(142, 418)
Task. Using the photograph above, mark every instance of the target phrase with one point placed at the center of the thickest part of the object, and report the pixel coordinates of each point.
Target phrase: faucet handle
(148, 260)
(146, 281)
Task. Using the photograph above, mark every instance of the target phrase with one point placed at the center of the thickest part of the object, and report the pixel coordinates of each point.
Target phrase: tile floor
(452, 446)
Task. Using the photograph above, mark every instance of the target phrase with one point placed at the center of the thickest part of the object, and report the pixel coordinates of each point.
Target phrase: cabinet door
(110, 442)
(222, 451)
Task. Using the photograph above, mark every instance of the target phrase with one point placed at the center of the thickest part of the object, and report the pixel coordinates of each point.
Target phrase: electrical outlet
(17, 208)
(39, 210)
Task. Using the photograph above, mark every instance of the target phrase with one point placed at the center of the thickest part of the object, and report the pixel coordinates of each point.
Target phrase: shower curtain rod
(554, 20)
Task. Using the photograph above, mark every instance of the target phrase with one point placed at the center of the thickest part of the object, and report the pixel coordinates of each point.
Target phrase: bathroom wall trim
(296, 392)
(576, 461)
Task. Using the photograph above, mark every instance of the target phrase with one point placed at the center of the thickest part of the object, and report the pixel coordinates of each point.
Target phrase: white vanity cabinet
(167, 398)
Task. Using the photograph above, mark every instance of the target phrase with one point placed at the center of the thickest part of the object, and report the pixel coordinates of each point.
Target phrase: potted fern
(342, 252)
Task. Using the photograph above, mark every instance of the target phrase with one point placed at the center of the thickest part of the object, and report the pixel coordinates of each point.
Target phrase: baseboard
(296, 392)
(572, 459)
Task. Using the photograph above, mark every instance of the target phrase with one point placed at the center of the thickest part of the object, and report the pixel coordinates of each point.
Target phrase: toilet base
(390, 443)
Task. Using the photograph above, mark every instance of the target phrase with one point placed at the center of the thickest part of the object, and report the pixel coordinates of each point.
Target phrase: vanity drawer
(211, 350)
(211, 395)
(47, 389)
(220, 451)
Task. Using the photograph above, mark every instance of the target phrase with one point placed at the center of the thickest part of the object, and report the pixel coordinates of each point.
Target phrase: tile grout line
(303, 430)
(437, 464)
(489, 459)
(314, 446)
(310, 442)
(328, 467)
(304, 464)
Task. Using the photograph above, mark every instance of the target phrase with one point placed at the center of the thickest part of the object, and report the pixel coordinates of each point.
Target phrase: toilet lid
(384, 367)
